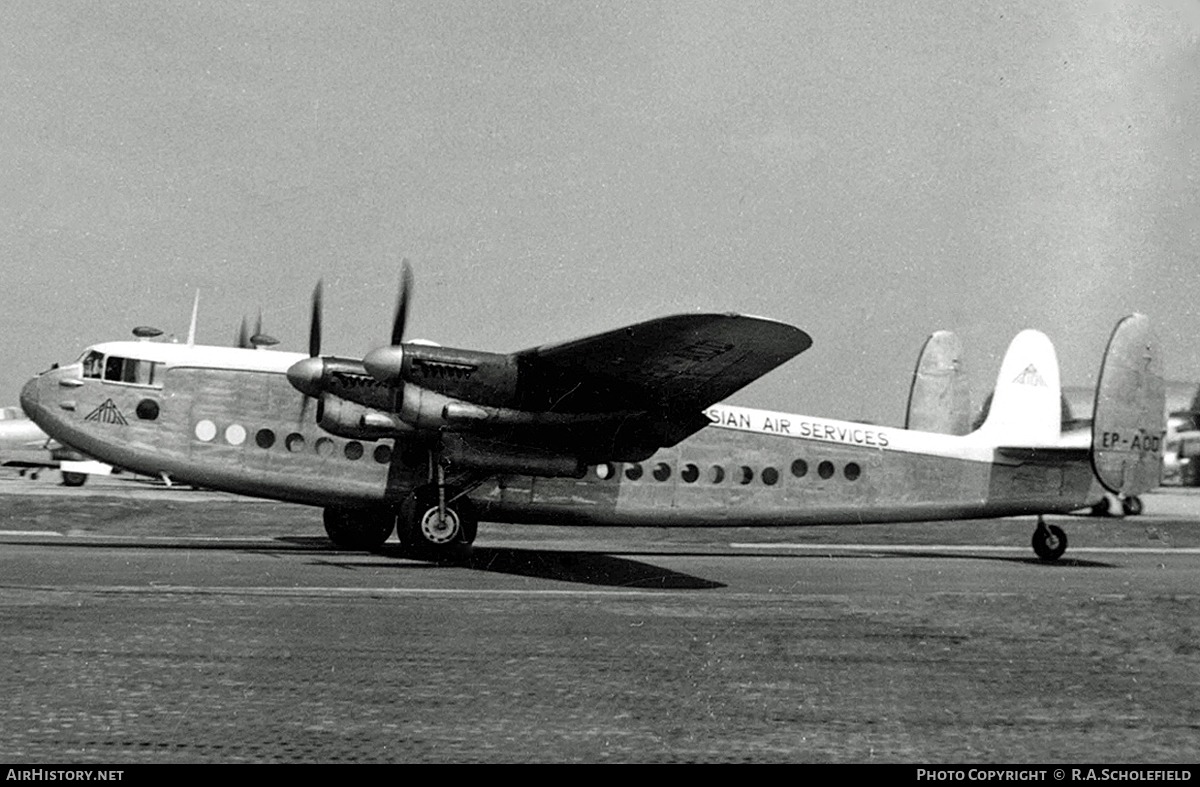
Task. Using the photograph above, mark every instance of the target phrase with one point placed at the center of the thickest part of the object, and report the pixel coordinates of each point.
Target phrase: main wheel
(358, 528)
(1103, 507)
(71, 478)
(425, 530)
(1049, 542)
(1132, 505)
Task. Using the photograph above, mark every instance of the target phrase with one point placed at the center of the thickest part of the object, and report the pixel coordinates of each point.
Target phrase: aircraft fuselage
(229, 419)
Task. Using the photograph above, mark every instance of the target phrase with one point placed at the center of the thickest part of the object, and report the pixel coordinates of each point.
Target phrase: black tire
(1132, 506)
(422, 533)
(1102, 508)
(1049, 542)
(364, 528)
(70, 478)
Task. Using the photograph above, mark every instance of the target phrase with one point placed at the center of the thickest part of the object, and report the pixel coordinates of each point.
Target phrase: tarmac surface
(145, 624)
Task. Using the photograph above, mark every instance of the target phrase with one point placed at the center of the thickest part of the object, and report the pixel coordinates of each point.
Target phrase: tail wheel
(1049, 542)
(365, 528)
(425, 528)
(1132, 505)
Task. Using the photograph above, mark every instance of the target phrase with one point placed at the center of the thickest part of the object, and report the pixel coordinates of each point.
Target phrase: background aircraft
(25, 446)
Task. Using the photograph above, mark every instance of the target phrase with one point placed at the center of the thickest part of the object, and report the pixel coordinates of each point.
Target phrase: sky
(868, 171)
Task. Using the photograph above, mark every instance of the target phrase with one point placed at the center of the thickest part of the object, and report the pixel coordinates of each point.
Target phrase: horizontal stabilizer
(1047, 454)
(1129, 425)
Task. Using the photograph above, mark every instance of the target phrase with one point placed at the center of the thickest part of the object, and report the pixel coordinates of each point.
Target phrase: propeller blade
(406, 280)
(243, 340)
(314, 331)
(258, 324)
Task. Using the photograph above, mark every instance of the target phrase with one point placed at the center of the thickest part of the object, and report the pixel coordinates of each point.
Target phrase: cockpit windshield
(114, 368)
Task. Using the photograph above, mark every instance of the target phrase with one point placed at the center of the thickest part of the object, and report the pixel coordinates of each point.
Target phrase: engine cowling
(356, 422)
(486, 379)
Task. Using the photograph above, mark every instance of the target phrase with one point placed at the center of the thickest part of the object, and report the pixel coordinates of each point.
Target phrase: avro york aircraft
(619, 428)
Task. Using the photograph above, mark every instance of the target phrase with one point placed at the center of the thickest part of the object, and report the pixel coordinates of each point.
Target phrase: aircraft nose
(306, 376)
(29, 397)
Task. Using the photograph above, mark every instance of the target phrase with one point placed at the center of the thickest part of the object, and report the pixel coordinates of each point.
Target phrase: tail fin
(1026, 406)
(1129, 424)
(940, 397)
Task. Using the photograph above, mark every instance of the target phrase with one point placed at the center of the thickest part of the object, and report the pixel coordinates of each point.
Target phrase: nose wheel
(1049, 541)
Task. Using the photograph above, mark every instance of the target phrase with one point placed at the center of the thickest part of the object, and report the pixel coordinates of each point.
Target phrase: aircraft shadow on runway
(1068, 562)
(590, 568)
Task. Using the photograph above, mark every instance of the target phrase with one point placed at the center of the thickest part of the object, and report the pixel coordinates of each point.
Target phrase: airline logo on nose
(1030, 377)
(107, 413)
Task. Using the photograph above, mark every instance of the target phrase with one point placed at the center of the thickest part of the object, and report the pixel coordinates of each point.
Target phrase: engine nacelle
(495, 457)
(429, 410)
(353, 421)
(467, 375)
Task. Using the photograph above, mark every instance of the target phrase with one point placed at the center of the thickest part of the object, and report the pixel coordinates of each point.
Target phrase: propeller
(314, 329)
(406, 283)
(306, 375)
(258, 339)
(385, 363)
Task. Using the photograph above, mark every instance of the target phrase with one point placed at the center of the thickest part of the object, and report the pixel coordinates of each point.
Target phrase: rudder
(1026, 405)
(1129, 424)
(940, 397)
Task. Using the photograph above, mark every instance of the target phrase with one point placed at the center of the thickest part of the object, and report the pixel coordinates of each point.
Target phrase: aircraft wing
(679, 364)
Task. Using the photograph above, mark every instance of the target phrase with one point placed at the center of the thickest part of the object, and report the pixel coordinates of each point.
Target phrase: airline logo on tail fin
(1026, 406)
(1030, 377)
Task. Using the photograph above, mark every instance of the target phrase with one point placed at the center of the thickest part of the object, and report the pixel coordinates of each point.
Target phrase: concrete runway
(142, 624)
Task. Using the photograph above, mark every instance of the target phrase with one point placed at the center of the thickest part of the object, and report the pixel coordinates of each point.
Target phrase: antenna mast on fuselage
(195, 311)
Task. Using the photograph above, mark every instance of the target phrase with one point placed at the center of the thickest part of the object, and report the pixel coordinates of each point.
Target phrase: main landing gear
(1130, 506)
(359, 528)
(437, 522)
(1049, 541)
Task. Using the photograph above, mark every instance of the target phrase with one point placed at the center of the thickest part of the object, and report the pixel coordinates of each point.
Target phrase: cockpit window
(116, 369)
(93, 364)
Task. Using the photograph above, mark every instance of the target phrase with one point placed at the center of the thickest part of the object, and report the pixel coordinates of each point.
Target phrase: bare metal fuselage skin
(228, 419)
